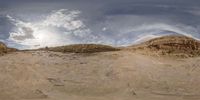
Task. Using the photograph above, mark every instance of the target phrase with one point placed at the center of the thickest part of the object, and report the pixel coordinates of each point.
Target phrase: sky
(29, 24)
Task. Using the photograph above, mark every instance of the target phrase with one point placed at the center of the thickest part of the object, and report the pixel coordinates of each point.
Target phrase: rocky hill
(4, 49)
(83, 48)
(177, 45)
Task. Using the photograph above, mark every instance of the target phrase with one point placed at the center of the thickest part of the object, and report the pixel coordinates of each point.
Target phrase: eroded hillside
(176, 45)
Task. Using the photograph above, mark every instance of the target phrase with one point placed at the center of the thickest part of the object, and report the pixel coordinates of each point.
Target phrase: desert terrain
(166, 68)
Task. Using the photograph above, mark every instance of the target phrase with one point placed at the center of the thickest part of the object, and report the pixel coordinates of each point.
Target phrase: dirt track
(120, 75)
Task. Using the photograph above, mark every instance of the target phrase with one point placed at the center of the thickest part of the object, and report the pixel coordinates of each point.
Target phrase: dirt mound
(170, 45)
(83, 48)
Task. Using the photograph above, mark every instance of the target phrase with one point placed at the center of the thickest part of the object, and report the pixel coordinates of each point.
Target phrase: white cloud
(22, 34)
(159, 27)
(60, 27)
(148, 31)
(104, 29)
(64, 18)
(143, 38)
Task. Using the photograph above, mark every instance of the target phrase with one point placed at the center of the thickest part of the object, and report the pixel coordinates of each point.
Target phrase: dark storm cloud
(119, 22)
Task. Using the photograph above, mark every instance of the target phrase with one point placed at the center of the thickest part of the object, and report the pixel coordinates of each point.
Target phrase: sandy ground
(121, 75)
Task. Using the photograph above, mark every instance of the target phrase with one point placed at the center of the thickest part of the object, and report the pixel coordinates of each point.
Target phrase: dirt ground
(119, 75)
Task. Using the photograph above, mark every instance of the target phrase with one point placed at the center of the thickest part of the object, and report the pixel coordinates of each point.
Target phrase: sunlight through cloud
(58, 28)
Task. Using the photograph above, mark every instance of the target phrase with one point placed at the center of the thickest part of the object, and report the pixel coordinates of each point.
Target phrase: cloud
(64, 18)
(148, 31)
(143, 38)
(104, 29)
(60, 27)
(195, 12)
(117, 24)
(157, 28)
(23, 34)
(23, 30)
